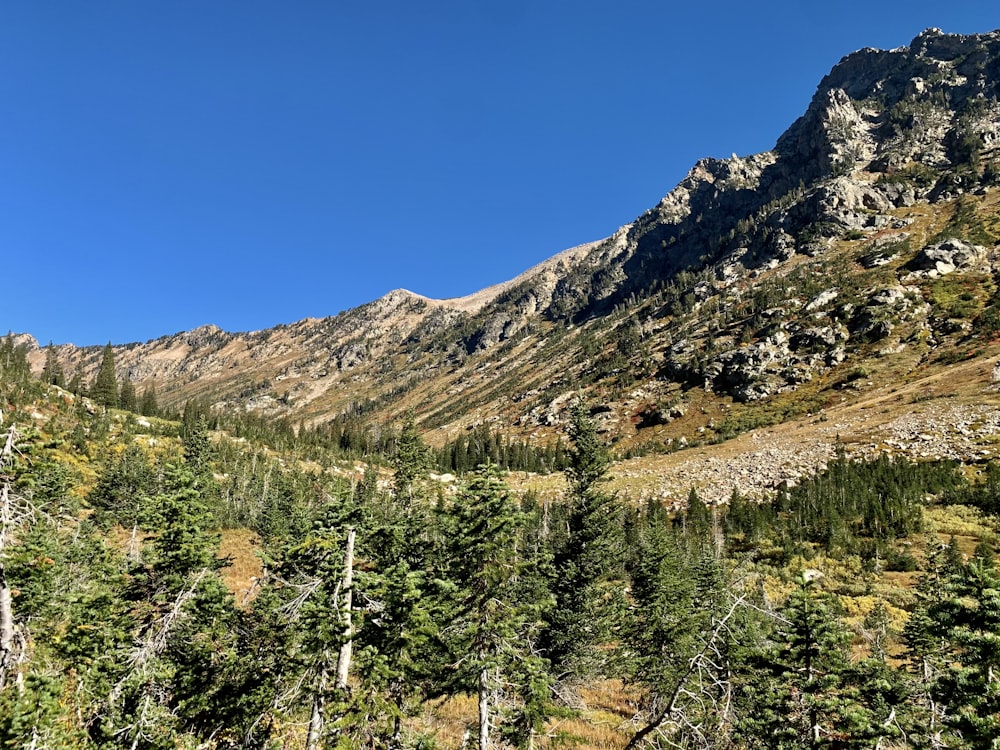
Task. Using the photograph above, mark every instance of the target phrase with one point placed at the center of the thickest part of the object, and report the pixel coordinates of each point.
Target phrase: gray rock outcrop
(948, 256)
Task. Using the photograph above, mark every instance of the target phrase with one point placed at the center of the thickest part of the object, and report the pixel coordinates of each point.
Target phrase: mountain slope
(861, 249)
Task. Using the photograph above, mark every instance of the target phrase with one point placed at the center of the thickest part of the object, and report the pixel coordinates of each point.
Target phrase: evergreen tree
(198, 449)
(184, 545)
(686, 622)
(313, 615)
(59, 604)
(805, 692)
(969, 620)
(400, 652)
(148, 405)
(410, 460)
(104, 389)
(495, 625)
(126, 396)
(588, 566)
(75, 384)
(52, 372)
(124, 487)
(173, 689)
(927, 649)
(13, 360)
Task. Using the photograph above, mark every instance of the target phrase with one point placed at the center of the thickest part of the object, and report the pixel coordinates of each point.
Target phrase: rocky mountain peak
(752, 277)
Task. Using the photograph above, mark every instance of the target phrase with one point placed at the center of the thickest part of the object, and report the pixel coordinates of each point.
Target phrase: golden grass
(447, 720)
(603, 723)
(240, 546)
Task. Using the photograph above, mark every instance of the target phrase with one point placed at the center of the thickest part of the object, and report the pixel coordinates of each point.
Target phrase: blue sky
(164, 165)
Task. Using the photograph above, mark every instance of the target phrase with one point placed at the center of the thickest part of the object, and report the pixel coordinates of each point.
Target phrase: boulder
(821, 300)
(948, 256)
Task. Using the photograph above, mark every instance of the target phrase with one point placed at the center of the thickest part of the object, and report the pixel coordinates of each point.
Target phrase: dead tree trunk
(316, 716)
(6, 627)
(317, 720)
(347, 585)
(10, 518)
(484, 710)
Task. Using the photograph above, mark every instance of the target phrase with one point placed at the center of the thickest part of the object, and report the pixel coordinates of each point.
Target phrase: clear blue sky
(165, 165)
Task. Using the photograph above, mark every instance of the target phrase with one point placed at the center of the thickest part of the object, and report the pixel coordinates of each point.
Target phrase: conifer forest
(854, 610)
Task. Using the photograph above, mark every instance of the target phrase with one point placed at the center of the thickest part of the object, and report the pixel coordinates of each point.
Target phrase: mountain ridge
(754, 281)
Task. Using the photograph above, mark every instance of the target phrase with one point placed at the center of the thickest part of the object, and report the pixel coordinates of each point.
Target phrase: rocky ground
(960, 422)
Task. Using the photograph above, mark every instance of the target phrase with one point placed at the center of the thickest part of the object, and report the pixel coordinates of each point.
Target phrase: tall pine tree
(104, 389)
(495, 625)
(588, 568)
(52, 372)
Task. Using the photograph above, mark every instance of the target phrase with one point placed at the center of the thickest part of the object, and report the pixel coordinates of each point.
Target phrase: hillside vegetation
(372, 605)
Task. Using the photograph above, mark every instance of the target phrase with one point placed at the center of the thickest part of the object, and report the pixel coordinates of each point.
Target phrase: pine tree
(805, 692)
(410, 460)
(399, 648)
(184, 545)
(589, 565)
(174, 687)
(198, 448)
(969, 620)
(75, 384)
(16, 516)
(495, 624)
(14, 364)
(60, 604)
(52, 372)
(104, 389)
(683, 627)
(126, 396)
(148, 405)
(124, 487)
(927, 648)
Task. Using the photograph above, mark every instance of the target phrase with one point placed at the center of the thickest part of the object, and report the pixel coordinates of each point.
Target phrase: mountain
(850, 269)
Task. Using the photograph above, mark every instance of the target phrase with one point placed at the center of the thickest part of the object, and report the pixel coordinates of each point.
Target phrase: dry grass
(447, 720)
(603, 723)
(240, 546)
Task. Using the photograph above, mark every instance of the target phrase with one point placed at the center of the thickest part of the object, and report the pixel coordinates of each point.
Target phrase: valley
(741, 485)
